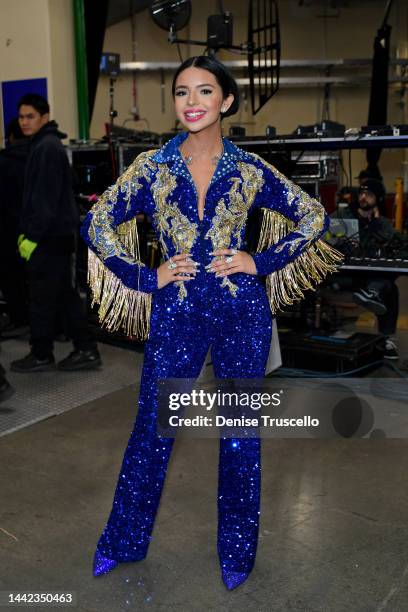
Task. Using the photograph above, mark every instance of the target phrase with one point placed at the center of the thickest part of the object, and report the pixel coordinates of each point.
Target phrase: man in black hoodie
(49, 220)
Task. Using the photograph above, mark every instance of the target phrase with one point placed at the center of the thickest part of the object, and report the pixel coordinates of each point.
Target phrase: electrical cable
(397, 370)
(283, 372)
(348, 180)
(303, 373)
(179, 52)
(134, 58)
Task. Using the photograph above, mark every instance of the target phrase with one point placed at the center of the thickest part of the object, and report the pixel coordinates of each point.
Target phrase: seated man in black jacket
(49, 220)
(378, 293)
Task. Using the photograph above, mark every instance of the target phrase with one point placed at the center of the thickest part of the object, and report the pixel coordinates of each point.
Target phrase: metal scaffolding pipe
(81, 69)
(238, 64)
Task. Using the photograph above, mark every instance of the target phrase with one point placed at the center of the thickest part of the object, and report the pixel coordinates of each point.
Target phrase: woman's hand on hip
(177, 268)
(232, 261)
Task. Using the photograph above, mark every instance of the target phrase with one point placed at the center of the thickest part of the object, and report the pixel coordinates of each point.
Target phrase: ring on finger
(229, 258)
(233, 251)
(172, 265)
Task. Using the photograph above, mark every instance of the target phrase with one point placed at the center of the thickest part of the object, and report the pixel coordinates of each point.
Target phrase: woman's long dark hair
(224, 78)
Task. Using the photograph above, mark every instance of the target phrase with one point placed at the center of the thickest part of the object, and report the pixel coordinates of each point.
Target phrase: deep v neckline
(209, 183)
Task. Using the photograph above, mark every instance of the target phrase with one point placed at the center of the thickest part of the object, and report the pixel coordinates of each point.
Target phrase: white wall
(63, 70)
(37, 40)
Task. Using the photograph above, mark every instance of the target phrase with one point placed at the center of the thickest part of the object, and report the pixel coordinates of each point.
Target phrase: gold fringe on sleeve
(286, 286)
(274, 227)
(119, 306)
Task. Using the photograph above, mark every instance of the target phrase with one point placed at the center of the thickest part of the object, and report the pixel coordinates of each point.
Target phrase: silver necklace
(188, 159)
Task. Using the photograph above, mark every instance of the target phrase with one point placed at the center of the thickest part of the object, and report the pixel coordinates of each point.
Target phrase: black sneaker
(6, 390)
(80, 360)
(370, 299)
(31, 363)
(390, 350)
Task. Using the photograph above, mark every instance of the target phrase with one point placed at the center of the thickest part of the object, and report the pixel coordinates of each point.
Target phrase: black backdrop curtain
(377, 113)
(95, 23)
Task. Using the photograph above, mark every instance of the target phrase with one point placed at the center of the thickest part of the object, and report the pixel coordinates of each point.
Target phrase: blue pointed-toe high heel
(233, 579)
(102, 565)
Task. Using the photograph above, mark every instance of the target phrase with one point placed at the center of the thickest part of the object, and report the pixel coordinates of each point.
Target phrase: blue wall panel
(12, 91)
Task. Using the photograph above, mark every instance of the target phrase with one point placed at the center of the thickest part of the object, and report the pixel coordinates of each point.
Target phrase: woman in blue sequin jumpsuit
(208, 293)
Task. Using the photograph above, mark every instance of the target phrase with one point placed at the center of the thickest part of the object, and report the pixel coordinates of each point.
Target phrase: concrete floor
(333, 532)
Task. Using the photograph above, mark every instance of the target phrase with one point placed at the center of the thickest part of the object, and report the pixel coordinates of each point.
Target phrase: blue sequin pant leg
(126, 537)
(240, 350)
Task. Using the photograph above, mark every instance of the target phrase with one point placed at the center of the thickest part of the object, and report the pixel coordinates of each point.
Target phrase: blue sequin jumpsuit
(232, 316)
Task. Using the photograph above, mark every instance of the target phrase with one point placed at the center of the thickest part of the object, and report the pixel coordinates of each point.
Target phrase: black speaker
(110, 64)
(237, 130)
(219, 30)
